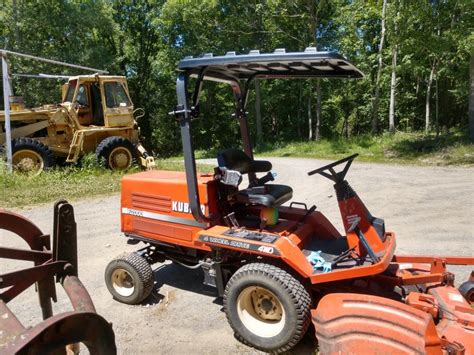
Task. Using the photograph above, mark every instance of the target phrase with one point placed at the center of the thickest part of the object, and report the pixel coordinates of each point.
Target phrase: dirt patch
(165, 301)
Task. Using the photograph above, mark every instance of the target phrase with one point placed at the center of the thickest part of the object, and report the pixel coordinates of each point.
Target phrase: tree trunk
(318, 110)
(310, 115)
(471, 97)
(428, 97)
(258, 113)
(375, 106)
(16, 31)
(436, 107)
(315, 132)
(274, 125)
(300, 108)
(393, 80)
(393, 91)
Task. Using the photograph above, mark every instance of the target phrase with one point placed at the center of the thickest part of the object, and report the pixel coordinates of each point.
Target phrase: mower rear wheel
(267, 307)
(129, 278)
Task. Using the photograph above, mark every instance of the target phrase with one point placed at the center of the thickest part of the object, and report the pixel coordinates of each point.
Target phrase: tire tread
(108, 144)
(300, 297)
(143, 269)
(26, 143)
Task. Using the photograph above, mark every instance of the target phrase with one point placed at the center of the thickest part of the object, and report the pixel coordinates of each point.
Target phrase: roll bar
(234, 70)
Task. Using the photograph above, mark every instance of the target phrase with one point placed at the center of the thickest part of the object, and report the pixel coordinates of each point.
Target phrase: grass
(400, 148)
(74, 182)
(70, 182)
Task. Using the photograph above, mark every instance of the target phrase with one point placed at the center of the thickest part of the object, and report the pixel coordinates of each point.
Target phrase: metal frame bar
(240, 99)
(43, 76)
(427, 259)
(4, 52)
(184, 117)
(183, 114)
(22, 254)
(6, 102)
(56, 331)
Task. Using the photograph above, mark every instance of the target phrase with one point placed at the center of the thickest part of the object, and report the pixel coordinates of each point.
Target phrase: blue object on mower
(318, 261)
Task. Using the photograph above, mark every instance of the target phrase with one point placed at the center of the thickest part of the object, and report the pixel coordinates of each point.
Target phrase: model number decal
(239, 244)
(265, 249)
(134, 212)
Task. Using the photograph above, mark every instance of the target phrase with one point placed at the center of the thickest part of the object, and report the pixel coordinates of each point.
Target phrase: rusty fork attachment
(56, 263)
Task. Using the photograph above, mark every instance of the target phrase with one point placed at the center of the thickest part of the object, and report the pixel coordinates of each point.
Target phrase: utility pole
(6, 101)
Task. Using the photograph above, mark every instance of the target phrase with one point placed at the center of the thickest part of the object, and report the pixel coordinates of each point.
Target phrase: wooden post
(6, 100)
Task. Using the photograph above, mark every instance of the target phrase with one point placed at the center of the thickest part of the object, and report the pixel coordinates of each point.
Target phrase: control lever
(308, 212)
(365, 243)
(342, 256)
(263, 224)
(231, 221)
(270, 176)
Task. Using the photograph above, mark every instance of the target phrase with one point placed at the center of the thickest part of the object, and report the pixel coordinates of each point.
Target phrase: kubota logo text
(184, 207)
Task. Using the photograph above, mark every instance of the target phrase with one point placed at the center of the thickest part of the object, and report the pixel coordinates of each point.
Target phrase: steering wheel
(335, 176)
(80, 105)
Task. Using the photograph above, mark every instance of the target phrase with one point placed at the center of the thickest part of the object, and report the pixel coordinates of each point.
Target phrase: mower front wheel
(267, 307)
(129, 278)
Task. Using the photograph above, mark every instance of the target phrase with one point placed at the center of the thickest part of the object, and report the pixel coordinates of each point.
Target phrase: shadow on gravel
(307, 345)
(191, 280)
(182, 278)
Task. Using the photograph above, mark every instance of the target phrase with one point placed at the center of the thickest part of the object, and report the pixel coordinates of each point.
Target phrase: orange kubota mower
(279, 267)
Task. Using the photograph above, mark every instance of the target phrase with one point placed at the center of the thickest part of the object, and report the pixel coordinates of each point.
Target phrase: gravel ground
(430, 209)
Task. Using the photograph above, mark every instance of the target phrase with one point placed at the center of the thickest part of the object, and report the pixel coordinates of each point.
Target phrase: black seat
(274, 195)
(271, 195)
(235, 159)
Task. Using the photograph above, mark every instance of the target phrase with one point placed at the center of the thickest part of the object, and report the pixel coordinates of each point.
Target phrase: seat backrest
(236, 159)
(97, 110)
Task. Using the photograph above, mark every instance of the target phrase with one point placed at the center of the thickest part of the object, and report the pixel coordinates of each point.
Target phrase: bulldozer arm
(146, 161)
(25, 131)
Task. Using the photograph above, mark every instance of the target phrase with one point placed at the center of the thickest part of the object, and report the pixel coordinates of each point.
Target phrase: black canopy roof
(279, 64)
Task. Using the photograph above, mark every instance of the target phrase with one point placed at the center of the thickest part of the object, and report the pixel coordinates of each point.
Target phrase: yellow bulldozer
(96, 114)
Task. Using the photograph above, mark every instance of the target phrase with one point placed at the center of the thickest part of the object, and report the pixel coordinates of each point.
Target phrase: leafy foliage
(144, 40)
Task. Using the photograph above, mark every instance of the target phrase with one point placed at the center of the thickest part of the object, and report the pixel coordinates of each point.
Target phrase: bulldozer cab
(99, 101)
(239, 71)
